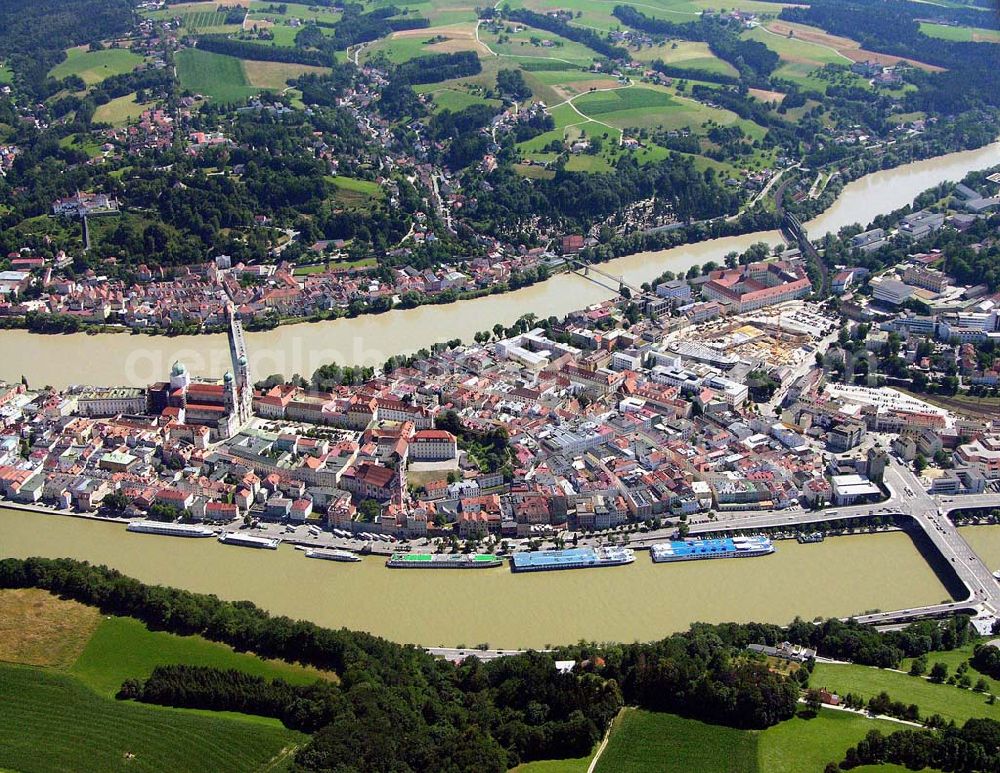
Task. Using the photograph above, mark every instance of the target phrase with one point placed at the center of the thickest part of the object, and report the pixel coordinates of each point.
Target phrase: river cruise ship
(696, 549)
(248, 540)
(333, 555)
(442, 561)
(574, 558)
(811, 537)
(169, 529)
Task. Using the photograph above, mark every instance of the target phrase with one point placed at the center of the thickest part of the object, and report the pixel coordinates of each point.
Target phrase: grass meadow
(94, 66)
(216, 76)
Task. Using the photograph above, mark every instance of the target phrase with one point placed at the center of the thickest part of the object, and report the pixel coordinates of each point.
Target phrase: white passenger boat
(169, 529)
(333, 555)
(248, 540)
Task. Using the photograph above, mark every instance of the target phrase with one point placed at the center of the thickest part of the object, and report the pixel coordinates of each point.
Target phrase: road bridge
(588, 268)
(906, 497)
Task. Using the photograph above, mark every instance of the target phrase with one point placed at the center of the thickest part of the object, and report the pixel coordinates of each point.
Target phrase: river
(643, 601)
(121, 359)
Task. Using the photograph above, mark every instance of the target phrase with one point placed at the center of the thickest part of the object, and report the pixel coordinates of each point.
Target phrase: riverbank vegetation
(481, 715)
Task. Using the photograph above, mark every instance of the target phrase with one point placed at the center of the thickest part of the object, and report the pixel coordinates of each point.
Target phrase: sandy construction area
(454, 31)
(767, 96)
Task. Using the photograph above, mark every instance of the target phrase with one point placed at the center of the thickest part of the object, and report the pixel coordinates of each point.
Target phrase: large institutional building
(757, 285)
(224, 407)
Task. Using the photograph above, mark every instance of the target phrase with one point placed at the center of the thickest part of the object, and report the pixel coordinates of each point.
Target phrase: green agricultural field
(213, 75)
(643, 741)
(282, 35)
(949, 701)
(961, 34)
(799, 58)
(196, 17)
(123, 648)
(95, 66)
(51, 721)
(119, 111)
(593, 13)
(635, 98)
(648, 742)
(656, 107)
(687, 53)
(529, 44)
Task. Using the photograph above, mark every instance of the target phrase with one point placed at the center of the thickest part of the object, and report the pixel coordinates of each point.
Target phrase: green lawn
(213, 75)
(6, 74)
(52, 722)
(123, 648)
(572, 765)
(947, 700)
(95, 66)
(120, 110)
(455, 100)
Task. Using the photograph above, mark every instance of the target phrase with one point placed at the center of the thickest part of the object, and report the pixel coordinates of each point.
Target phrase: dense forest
(434, 68)
(245, 49)
(397, 708)
(583, 199)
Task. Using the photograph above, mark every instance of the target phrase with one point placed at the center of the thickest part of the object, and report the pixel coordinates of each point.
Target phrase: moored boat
(696, 549)
(169, 529)
(442, 561)
(333, 555)
(573, 558)
(248, 540)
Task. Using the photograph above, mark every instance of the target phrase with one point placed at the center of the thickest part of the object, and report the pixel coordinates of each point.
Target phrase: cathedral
(225, 406)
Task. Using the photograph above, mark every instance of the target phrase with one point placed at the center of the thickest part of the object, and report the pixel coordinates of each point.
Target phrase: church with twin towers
(223, 406)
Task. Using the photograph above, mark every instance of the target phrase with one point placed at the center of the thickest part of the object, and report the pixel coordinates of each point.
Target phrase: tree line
(398, 708)
(305, 707)
(972, 748)
(752, 59)
(556, 26)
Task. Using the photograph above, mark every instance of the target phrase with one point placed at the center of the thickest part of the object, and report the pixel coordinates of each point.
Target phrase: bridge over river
(930, 514)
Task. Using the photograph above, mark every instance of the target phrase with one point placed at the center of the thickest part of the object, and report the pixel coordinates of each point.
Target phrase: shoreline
(402, 606)
(293, 321)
